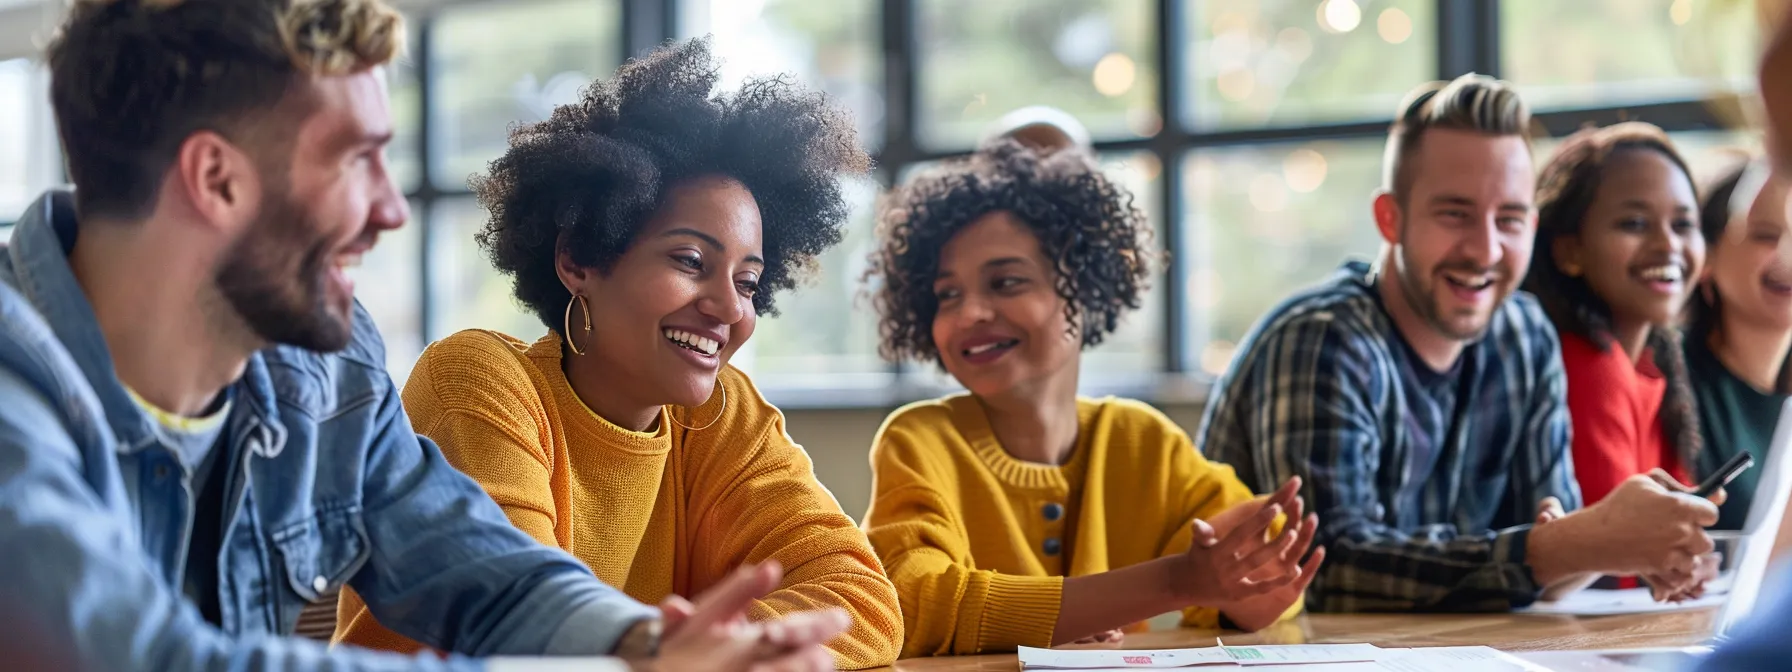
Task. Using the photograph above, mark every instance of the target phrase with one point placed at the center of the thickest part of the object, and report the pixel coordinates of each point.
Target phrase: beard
(1422, 290)
(281, 303)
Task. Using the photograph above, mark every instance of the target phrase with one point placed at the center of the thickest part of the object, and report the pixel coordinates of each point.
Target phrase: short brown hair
(130, 80)
(1472, 102)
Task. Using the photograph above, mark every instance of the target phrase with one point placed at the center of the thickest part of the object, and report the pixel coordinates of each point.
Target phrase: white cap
(1037, 116)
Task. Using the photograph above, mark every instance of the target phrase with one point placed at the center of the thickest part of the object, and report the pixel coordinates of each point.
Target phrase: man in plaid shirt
(1423, 403)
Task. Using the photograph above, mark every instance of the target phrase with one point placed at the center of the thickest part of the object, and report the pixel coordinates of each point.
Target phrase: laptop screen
(1761, 529)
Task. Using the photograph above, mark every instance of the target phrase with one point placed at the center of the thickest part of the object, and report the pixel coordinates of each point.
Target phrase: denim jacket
(327, 485)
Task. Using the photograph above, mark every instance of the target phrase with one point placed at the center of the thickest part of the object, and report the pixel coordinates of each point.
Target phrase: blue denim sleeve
(76, 591)
(449, 570)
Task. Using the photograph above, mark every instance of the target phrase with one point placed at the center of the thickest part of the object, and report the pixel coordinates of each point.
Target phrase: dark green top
(1733, 417)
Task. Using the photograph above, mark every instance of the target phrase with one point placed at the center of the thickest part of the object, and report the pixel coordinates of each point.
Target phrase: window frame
(1468, 40)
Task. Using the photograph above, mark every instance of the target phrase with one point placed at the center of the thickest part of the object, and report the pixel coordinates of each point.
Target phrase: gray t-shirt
(194, 440)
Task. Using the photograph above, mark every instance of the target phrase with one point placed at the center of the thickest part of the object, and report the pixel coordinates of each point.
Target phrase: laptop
(1751, 574)
(1754, 544)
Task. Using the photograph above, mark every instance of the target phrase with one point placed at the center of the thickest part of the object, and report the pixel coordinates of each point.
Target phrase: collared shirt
(1425, 482)
(326, 485)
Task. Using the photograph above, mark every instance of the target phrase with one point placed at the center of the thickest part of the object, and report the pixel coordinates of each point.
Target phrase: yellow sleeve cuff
(1008, 611)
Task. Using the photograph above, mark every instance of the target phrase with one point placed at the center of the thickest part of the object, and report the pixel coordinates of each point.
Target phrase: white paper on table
(1450, 658)
(1095, 659)
(1304, 654)
(1618, 660)
(1231, 656)
(1615, 602)
(1457, 659)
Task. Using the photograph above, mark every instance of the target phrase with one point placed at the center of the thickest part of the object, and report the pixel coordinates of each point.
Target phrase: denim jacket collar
(40, 247)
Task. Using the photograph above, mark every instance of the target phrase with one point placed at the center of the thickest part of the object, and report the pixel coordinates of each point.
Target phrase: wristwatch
(641, 640)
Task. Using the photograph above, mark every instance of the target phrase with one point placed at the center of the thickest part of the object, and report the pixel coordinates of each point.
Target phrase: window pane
(498, 63)
(1096, 59)
(829, 44)
(1138, 345)
(405, 100)
(1605, 52)
(1711, 153)
(1267, 220)
(388, 285)
(32, 160)
(1283, 63)
(465, 291)
(826, 336)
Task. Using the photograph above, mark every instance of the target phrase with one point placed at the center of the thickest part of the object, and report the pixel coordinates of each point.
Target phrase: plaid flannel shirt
(1425, 483)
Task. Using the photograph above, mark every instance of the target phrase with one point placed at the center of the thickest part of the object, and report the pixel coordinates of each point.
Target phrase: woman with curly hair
(1739, 327)
(649, 225)
(1618, 247)
(1020, 514)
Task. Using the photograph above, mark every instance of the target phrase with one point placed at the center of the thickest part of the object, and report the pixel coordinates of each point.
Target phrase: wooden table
(1508, 632)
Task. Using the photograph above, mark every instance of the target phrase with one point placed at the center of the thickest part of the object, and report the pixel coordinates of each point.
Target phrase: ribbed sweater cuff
(1010, 611)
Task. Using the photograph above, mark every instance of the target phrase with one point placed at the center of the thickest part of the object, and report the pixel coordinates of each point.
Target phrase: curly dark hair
(1565, 192)
(1086, 224)
(589, 177)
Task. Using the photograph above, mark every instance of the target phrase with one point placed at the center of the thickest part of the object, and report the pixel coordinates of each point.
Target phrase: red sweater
(1616, 407)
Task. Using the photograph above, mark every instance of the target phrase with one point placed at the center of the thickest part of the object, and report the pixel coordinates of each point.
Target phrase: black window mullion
(647, 24)
(426, 194)
(1168, 146)
(901, 105)
(1468, 38)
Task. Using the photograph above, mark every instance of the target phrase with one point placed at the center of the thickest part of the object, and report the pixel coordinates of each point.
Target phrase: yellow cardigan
(656, 514)
(978, 542)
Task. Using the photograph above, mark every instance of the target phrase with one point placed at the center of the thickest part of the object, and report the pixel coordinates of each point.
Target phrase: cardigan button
(319, 584)
(1053, 512)
(1053, 546)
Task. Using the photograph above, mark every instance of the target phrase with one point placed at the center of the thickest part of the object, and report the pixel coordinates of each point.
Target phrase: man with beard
(197, 435)
(1423, 404)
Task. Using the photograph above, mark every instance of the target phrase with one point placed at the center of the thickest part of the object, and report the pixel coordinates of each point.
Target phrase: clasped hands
(1651, 526)
(1235, 565)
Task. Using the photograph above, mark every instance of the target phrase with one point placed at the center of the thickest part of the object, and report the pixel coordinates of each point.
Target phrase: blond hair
(131, 80)
(1475, 103)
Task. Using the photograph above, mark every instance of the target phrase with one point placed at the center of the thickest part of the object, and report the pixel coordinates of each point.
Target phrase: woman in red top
(1618, 248)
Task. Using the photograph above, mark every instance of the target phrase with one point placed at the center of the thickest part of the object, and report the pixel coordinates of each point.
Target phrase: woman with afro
(1020, 514)
(649, 225)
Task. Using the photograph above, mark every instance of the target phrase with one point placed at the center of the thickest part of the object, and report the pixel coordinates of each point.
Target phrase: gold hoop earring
(712, 422)
(566, 329)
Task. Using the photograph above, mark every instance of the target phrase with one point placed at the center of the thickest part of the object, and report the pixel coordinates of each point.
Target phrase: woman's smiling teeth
(1663, 273)
(992, 345)
(693, 342)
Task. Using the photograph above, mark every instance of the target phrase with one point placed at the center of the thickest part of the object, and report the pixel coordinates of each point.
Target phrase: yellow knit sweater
(978, 542)
(655, 514)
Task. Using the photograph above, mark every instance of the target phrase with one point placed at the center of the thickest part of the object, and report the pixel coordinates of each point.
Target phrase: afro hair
(587, 179)
(1086, 224)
